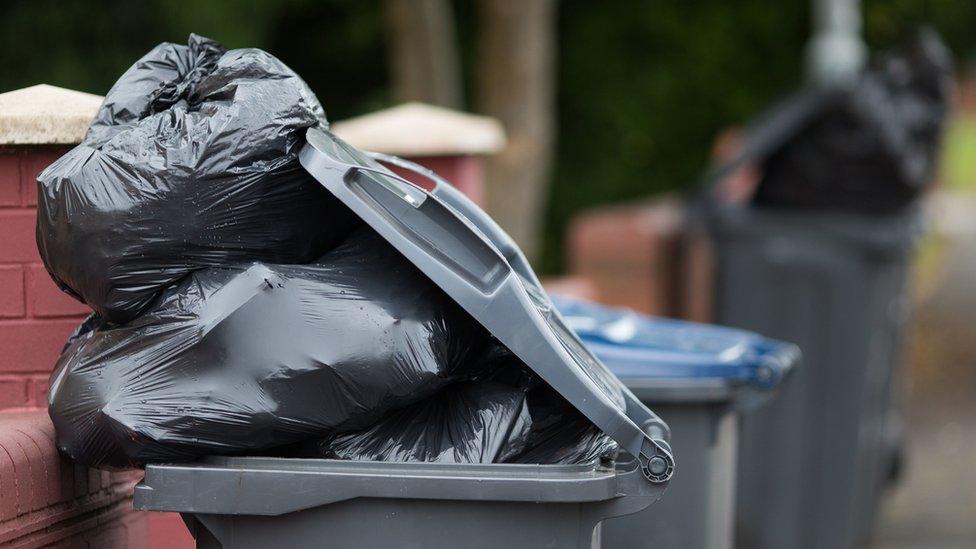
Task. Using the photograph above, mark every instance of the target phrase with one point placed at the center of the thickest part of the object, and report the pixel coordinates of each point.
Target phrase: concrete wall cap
(44, 114)
(418, 129)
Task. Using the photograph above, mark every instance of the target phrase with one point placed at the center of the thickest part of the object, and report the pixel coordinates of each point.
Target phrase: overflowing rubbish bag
(254, 357)
(247, 303)
(358, 348)
(497, 420)
(190, 162)
(869, 148)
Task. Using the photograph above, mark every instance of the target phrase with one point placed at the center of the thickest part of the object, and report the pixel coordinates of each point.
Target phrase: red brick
(628, 253)
(16, 494)
(466, 173)
(34, 495)
(9, 179)
(46, 300)
(38, 391)
(137, 530)
(11, 291)
(167, 531)
(31, 473)
(8, 484)
(34, 163)
(32, 345)
(19, 244)
(14, 391)
(51, 460)
(645, 256)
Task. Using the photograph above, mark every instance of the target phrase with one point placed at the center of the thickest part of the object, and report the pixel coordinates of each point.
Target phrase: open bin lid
(464, 252)
(652, 353)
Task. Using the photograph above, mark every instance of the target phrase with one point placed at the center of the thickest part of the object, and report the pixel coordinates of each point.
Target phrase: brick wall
(645, 256)
(35, 316)
(46, 500)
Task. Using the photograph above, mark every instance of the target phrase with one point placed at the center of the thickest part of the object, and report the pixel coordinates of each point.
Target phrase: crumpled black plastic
(191, 162)
(872, 148)
(240, 309)
(509, 416)
(238, 360)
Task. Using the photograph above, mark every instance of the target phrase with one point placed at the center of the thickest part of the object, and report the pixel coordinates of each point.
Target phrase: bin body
(404, 523)
(245, 503)
(696, 512)
(813, 464)
(699, 378)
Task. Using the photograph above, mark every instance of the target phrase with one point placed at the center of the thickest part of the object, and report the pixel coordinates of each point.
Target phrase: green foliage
(336, 45)
(643, 85)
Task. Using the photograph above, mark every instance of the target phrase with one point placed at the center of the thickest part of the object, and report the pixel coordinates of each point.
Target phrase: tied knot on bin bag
(241, 309)
(191, 162)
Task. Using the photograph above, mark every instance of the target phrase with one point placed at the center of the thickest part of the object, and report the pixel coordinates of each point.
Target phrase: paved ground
(934, 507)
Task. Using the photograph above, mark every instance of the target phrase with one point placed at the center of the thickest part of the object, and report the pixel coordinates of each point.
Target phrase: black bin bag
(871, 148)
(242, 360)
(506, 416)
(190, 162)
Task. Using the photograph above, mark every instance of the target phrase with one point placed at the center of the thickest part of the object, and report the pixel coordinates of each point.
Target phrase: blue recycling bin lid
(657, 355)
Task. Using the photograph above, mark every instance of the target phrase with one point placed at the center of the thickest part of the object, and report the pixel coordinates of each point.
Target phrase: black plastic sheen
(191, 162)
(243, 359)
(871, 148)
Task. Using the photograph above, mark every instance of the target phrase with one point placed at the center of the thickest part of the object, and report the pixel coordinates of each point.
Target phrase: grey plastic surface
(739, 397)
(703, 413)
(813, 463)
(467, 255)
(275, 502)
(697, 511)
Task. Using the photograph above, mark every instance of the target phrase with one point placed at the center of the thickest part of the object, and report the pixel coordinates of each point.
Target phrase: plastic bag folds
(190, 162)
(240, 360)
(513, 417)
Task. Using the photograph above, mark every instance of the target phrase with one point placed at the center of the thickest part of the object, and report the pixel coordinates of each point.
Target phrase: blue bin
(698, 378)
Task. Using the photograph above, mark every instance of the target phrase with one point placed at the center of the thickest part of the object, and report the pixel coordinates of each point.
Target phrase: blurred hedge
(642, 85)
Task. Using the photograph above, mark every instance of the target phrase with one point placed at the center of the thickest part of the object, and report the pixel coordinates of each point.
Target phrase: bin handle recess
(655, 456)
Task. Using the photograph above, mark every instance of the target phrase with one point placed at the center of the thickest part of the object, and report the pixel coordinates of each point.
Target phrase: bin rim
(654, 355)
(465, 253)
(275, 486)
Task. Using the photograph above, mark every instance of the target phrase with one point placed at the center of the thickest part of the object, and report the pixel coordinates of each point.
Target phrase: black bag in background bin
(191, 162)
(872, 148)
(235, 360)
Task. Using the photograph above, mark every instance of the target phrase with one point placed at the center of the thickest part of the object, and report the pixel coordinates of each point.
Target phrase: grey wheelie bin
(813, 464)
(278, 502)
(700, 378)
(290, 503)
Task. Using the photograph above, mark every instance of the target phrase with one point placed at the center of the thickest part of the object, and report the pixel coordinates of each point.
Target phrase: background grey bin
(699, 378)
(814, 462)
(245, 503)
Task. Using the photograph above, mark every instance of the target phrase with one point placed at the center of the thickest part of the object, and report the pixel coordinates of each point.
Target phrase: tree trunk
(423, 52)
(515, 73)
